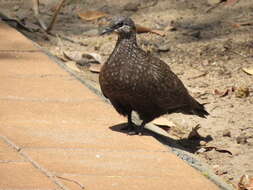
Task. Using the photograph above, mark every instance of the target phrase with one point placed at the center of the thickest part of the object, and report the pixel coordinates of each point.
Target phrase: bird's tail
(198, 109)
(201, 111)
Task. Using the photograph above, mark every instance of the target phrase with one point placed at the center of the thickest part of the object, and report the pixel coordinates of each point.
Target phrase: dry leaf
(72, 55)
(95, 68)
(238, 25)
(86, 57)
(245, 183)
(72, 66)
(221, 94)
(225, 93)
(231, 2)
(248, 70)
(213, 147)
(98, 58)
(142, 29)
(170, 28)
(92, 15)
(163, 121)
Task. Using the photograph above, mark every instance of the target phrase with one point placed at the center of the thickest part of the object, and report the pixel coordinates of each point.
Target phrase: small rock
(216, 167)
(196, 34)
(163, 48)
(242, 139)
(201, 150)
(16, 8)
(250, 141)
(226, 133)
(205, 62)
(220, 172)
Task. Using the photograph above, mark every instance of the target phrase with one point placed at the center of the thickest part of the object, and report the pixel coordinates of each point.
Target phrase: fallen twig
(55, 15)
(198, 76)
(71, 180)
(72, 41)
(215, 6)
(226, 2)
(37, 15)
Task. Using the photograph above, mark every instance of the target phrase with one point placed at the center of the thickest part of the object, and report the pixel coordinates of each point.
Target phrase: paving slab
(19, 112)
(8, 154)
(12, 40)
(77, 137)
(133, 182)
(36, 88)
(27, 64)
(61, 127)
(118, 163)
(136, 169)
(23, 175)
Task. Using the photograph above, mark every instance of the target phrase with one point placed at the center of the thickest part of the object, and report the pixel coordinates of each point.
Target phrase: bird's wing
(162, 85)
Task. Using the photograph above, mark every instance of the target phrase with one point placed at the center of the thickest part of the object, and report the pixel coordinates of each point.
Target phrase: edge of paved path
(175, 148)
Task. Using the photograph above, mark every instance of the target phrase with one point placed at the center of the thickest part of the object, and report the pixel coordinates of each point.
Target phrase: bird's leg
(141, 127)
(130, 125)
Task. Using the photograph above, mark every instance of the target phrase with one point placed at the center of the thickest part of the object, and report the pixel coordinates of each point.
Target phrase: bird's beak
(106, 30)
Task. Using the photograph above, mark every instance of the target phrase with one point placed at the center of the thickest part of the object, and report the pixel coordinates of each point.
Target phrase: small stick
(215, 6)
(37, 15)
(198, 76)
(49, 28)
(71, 180)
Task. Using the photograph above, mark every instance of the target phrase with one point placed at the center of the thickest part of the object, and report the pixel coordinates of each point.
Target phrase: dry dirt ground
(206, 50)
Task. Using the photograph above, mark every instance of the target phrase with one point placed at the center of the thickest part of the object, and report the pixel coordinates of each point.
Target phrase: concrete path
(55, 133)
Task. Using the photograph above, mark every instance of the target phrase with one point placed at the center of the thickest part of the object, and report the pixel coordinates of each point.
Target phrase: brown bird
(134, 80)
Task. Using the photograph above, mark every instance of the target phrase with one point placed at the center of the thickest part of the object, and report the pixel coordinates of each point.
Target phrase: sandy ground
(206, 50)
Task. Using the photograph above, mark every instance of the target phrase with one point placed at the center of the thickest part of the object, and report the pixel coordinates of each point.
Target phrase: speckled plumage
(133, 79)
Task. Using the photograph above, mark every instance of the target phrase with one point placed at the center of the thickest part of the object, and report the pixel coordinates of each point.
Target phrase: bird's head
(121, 25)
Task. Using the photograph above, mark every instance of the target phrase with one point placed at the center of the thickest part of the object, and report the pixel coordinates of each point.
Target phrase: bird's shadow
(187, 144)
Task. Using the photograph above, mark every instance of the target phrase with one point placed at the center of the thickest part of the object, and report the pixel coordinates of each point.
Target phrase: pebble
(242, 139)
(216, 167)
(16, 8)
(226, 133)
(201, 150)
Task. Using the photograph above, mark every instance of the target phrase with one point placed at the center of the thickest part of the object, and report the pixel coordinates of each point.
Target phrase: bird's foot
(131, 129)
